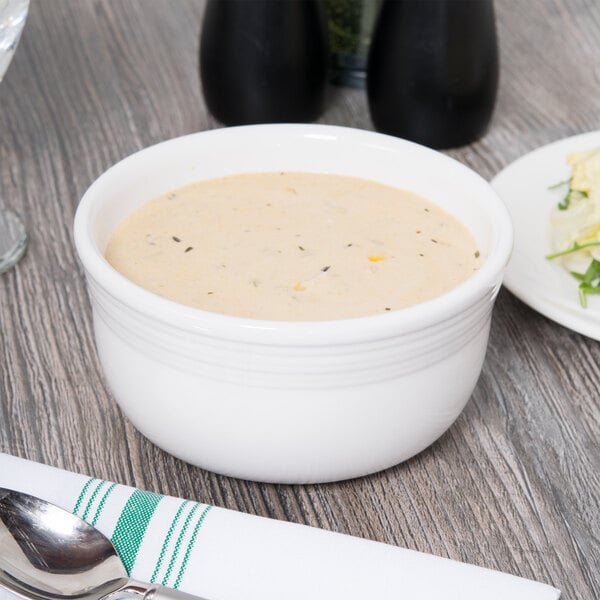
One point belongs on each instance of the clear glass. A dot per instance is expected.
(13, 237)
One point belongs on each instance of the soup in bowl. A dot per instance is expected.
(292, 303)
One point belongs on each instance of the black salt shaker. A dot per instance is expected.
(264, 61)
(433, 70)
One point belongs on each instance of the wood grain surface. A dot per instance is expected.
(514, 485)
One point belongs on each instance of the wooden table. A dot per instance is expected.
(514, 485)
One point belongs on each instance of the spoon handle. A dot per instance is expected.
(159, 592)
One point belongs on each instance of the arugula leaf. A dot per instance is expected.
(590, 282)
(560, 184)
(566, 201)
(571, 196)
(574, 248)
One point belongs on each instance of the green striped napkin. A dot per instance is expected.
(221, 554)
(137, 509)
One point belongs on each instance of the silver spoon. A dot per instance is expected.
(46, 553)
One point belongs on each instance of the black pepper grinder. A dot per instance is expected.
(433, 70)
(264, 61)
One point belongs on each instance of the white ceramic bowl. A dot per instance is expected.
(291, 402)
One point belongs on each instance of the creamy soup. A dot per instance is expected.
(293, 246)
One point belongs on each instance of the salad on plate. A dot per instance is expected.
(576, 222)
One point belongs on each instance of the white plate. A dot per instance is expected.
(542, 284)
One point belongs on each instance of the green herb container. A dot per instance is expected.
(350, 24)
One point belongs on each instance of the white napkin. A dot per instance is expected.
(220, 554)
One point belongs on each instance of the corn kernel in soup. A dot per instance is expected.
(293, 246)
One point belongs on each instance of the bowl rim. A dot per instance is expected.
(315, 333)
